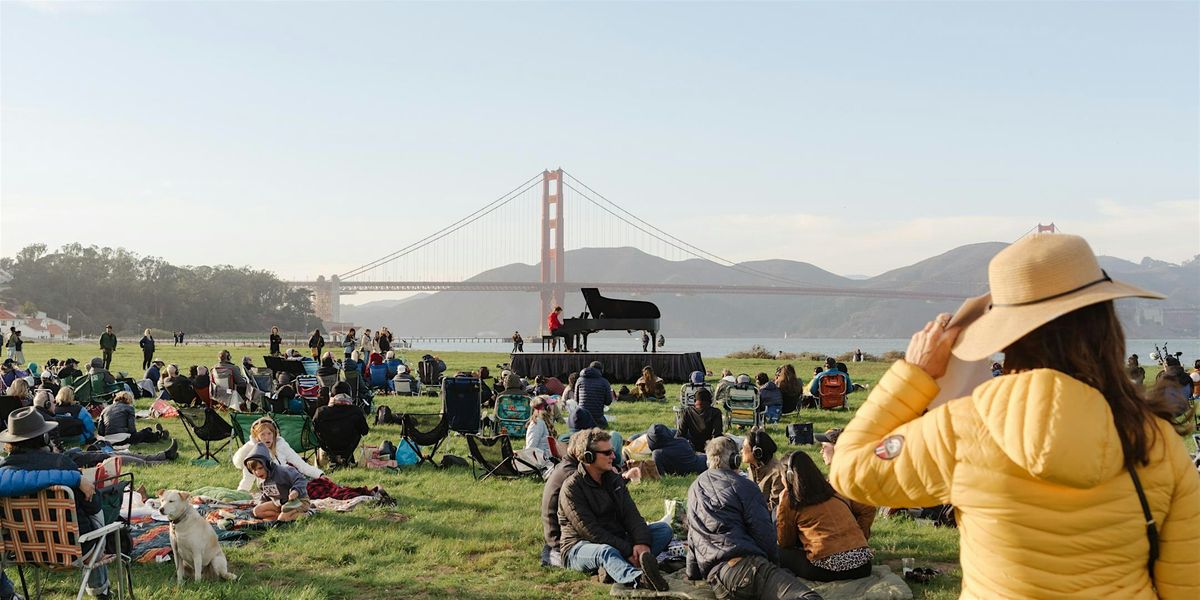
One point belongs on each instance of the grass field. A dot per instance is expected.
(448, 536)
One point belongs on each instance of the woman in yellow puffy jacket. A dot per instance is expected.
(1044, 462)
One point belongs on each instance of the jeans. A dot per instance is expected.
(107, 355)
(588, 557)
(7, 591)
(755, 578)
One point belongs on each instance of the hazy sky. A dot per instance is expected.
(308, 138)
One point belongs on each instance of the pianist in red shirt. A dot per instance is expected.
(554, 322)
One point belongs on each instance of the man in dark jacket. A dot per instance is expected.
(601, 528)
(551, 530)
(731, 538)
(700, 422)
(594, 393)
(340, 426)
(673, 455)
(108, 345)
(768, 393)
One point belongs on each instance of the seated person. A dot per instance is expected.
(700, 422)
(579, 419)
(167, 376)
(593, 392)
(279, 487)
(265, 432)
(96, 367)
(285, 396)
(624, 395)
(340, 425)
(225, 363)
(404, 383)
(758, 452)
(831, 369)
(673, 455)
(392, 363)
(731, 539)
(49, 382)
(768, 393)
(31, 466)
(153, 374)
(65, 407)
(119, 417)
(70, 368)
(328, 371)
(600, 526)
(539, 387)
(790, 387)
(551, 531)
(721, 392)
(819, 537)
(201, 383)
(540, 428)
(513, 384)
(649, 386)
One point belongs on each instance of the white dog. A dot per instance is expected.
(193, 540)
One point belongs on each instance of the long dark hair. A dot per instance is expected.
(804, 482)
(1088, 344)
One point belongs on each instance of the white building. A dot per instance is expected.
(39, 327)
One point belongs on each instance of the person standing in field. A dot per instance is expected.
(315, 344)
(147, 344)
(108, 345)
(275, 341)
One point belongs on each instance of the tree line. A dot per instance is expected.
(101, 286)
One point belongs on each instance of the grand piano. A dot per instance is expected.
(610, 314)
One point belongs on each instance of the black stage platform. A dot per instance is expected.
(619, 367)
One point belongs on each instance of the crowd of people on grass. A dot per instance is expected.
(1064, 443)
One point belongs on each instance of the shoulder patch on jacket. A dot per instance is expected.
(890, 448)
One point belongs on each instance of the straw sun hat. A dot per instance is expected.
(1034, 281)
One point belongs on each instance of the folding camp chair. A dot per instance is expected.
(308, 387)
(430, 378)
(461, 403)
(425, 431)
(494, 456)
(687, 397)
(225, 388)
(299, 433)
(832, 391)
(379, 377)
(512, 414)
(741, 407)
(214, 429)
(182, 392)
(310, 366)
(42, 530)
(102, 392)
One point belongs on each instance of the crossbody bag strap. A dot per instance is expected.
(1151, 528)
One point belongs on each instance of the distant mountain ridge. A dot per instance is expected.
(961, 270)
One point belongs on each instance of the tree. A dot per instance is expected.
(28, 309)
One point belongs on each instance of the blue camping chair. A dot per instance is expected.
(379, 377)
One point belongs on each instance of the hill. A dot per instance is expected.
(961, 270)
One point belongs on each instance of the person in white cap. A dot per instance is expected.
(1067, 482)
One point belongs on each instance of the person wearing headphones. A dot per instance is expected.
(600, 526)
(822, 536)
(758, 452)
(731, 539)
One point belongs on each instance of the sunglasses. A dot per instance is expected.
(609, 452)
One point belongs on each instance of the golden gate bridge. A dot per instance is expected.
(458, 256)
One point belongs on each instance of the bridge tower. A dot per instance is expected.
(553, 260)
(327, 299)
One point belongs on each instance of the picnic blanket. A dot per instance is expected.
(232, 522)
(881, 585)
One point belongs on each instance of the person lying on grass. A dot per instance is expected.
(284, 491)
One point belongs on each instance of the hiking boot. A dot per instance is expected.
(651, 577)
(172, 451)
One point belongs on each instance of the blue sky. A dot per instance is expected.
(856, 136)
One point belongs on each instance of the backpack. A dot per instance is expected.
(384, 415)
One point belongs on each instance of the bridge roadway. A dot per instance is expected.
(351, 286)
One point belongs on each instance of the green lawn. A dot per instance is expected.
(448, 536)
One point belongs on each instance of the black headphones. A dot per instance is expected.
(754, 448)
(588, 457)
(735, 460)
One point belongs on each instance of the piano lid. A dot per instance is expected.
(613, 308)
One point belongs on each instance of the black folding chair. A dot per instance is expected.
(494, 456)
(214, 429)
(425, 431)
